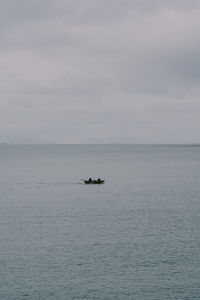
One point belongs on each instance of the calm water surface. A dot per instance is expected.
(135, 237)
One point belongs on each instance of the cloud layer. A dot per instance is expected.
(97, 71)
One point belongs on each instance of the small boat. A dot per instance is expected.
(94, 181)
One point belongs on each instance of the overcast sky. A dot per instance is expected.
(98, 71)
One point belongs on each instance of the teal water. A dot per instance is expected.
(135, 237)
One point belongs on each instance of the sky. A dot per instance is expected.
(100, 71)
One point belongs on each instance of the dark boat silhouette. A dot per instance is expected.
(94, 181)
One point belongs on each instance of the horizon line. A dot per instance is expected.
(104, 144)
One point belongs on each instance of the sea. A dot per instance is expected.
(137, 236)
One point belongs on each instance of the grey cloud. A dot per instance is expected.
(120, 70)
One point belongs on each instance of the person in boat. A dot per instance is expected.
(98, 180)
(90, 180)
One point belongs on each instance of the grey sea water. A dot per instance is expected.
(135, 237)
